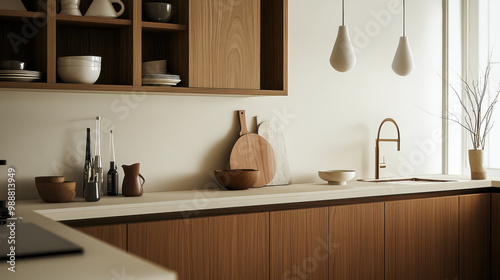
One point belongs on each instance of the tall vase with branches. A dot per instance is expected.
(477, 108)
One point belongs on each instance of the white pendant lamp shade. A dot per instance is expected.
(343, 58)
(403, 63)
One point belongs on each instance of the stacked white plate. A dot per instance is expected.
(160, 80)
(19, 75)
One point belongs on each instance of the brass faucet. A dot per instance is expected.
(378, 140)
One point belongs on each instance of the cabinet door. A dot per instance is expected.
(113, 234)
(421, 239)
(239, 247)
(299, 244)
(495, 236)
(357, 237)
(224, 44)
(475, 236)
(181, 245)
(224, 247)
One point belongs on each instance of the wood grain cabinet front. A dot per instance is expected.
(115, 235)
(224, 44)
(221, 247)
(357, 241)
(495, 236)
(421, 239)
(299, 244)
(475, 245)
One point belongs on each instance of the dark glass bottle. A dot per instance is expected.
(87, 168)
(112, 182)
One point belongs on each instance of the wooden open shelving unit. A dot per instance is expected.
(41, 35)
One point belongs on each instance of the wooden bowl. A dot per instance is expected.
(57, 192)
(336, 177)
(49, 179)
(237, 179)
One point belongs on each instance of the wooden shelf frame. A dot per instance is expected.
(134, 23)
(92, 21)
(7, 14)
(158, 26)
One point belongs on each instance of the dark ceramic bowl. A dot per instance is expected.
(158, 11)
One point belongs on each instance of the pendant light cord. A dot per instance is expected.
(404, 18)
(342, 12)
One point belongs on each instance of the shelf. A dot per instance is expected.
(126, 42)
(158, 26)
(146, 90)
(8, 14)
(92, 21)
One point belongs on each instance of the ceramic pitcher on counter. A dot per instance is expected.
(132, 185)
(104, 8)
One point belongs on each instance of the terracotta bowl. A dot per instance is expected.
(237, 179)
(57, 192)
(49, 179)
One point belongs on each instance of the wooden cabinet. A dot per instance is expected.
(224, 247)
(216, 46)
(299, 244)
(357, 241)
(421, 239)
(224, 47)
(181, 245)
(115, 235)
(450, 237)
(475, 236)
(239, 247)
(495, 236)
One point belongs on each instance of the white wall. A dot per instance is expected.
(179, 140)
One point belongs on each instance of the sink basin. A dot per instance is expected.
(406, 180)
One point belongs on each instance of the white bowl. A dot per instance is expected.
(90, 58)
(154, 67)
(68, 62)
(336, 177)
(79, 75)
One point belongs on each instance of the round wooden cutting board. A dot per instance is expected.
(251, 151)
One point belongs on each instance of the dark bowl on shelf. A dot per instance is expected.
(237, 179)
(158, 11)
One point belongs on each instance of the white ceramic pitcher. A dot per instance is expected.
(103, 8)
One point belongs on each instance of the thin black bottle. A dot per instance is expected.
(112, 182)
(87, 169)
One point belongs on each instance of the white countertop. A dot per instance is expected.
(98, 261)
(193, 200)
(102, 261)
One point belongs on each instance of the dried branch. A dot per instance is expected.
(477, 109)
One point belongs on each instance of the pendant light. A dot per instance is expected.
(403, 59)
(343, 58)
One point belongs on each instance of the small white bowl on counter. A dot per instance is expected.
(337, 177)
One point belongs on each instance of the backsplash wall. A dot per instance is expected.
(330, 119)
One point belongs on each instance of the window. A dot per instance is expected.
(474, 39)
